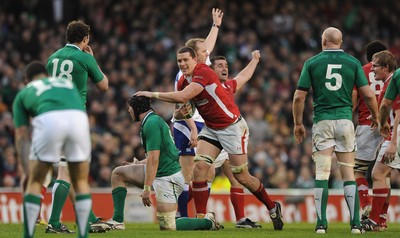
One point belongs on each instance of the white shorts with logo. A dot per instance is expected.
(234, 138)
(334, 133)
(168, 188)
(60, 131)
(395, 164)
(368, 142)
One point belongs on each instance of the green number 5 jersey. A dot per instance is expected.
(332, 75)
(72, 63)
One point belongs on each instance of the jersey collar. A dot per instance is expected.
(146, 116)
(72, 45)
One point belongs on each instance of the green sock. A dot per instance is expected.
(83, 205)
(321, 200)
(189, 224)
(119, 195)
(60, 194)
(353, 202)
(92, 217)
(31, 212)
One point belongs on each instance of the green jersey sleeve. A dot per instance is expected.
(152, 133)
(394, 85)
(94, 71)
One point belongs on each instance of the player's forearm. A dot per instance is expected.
(151, 170)
(22, 146)
(173, 97)
(372, 106)
(191, 124)
(383, 113)
(298, 109)
(246, 73)
(395, 127)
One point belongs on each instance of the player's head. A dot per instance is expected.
(199, 46)
(331, 38)
(34, 70)
(383, 64)
(137, 106)
(77, 32)
(220, 67)
(186, 59)
(374, 47)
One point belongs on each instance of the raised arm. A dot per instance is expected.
(189, 92)
(248, 71)
(211, 39)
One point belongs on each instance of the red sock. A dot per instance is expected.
(43, 192)
(385, 208)
(362, 185)
(262, 195)
(200, 196)
(237, 200)
(378, 202)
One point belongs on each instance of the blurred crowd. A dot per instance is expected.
(135, 42)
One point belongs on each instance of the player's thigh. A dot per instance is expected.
(345, 140)
(395, 164)
(368, 142)
(77, 147)
(48, 137)
(132, 173)
(168, 188)
(323, 135)
(234, 139)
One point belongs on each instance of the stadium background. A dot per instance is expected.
(135, 44)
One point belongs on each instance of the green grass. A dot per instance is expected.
(150, 230)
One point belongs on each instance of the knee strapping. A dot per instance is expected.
(239, 169)
(166, 220)
(346, 164)
(322, 166)
(206, 158)
(361, 166)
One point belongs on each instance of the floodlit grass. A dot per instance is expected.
(150, 230)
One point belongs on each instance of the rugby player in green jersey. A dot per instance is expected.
(59, 126)
(160, 170)
(332, 75)
(75, 61)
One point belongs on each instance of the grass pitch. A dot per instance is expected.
(150, 230)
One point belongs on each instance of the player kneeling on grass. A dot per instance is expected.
(160, 169)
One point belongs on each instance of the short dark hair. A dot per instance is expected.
(374, 47)
(76, 31)
(214, 58)
(34, 68)
(187, 49)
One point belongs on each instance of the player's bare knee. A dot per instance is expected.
(322, 166)
(166, 220)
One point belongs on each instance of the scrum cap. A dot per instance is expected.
(139, 105)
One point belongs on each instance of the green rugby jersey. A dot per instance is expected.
(44, 95)
(394, 86)
(332, 75)
(72, 63)
(156, 135)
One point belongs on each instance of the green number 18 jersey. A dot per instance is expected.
(72, 63)
(332, 75)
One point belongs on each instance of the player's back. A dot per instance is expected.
(72, 63)
(44, 95)
(332, 74)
